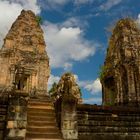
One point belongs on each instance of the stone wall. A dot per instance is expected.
(103, 123)
(17, 117)
(66, 116)
(3, 117)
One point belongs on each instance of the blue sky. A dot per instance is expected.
(76, 34)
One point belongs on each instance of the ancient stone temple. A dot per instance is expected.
(29, 112)
(121, 71)
(24, 73)
(23, 59)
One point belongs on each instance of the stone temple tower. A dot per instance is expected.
(121, 71)
(23, 59)
(24, 73)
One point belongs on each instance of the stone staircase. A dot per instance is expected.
(41, 121)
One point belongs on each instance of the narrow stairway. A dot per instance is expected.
(41, 121)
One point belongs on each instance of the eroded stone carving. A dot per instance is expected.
(68, 85)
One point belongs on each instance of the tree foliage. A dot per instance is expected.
(39, 20)
(102, 72)
(53, 89)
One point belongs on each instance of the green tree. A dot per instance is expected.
(39, 20)
(102, 72)
(53, 89)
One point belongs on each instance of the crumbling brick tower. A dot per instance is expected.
(23, 59)
(24, 73)
(121, 71)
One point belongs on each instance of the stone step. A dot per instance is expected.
(40, 103)
(108, 123)
(41, 118)
(99, 129)
(43, 139)
(14, 138)
(43, 135)
(42, 99)
(39, 110)
(39, 114)
(41, 123)
(41, 107)
(47, 100)
(44, 129)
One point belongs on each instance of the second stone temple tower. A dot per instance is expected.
(23, 58)
(121, 71)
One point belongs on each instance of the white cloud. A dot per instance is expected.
(139, 16)
(66, 45)
(52, 79)
(9, 10)
(94, 100)
(8, 14)
(68, 66)
(27, 5)
(109, 4)
(137, 21)
(71, 22)
(75, 22)
(94, 87)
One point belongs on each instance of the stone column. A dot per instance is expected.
(12, 76)
(30, 82)
(27, 84)
(131, 86)
(69, 117)
(120, 89)
(33, 80)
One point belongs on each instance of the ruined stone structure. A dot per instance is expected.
(67, 95)
(103, 123)
(67, 85)
(121, 71)
(24, 73)
(24, 62)
(28, 112)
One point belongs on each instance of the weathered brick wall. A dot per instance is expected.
(3, 114)
(104, 123)
(17, 117)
